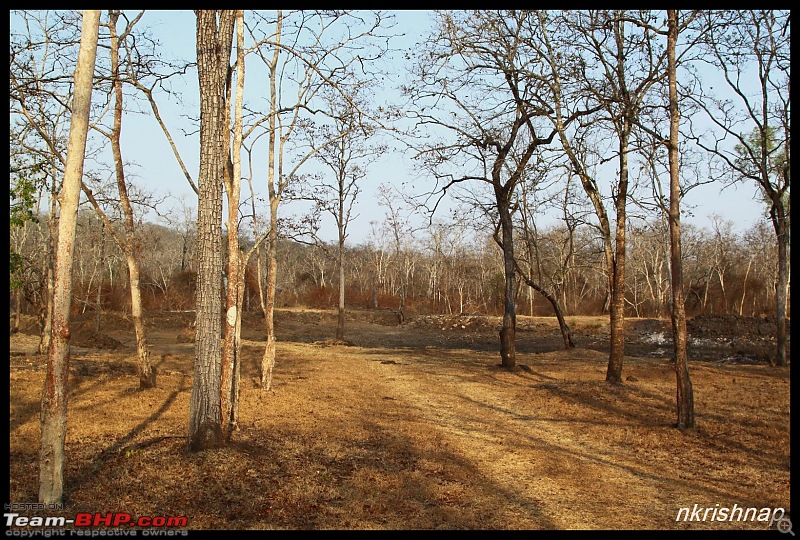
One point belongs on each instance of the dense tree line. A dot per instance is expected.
(441, 270)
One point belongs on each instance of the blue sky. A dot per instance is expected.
(144, 143)
(157, 170)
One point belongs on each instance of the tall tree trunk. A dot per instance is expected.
(685, 394)
(268, 360)
(235, 293)
(145, 370)
(213, 56)
(616, 355)
(54, 394)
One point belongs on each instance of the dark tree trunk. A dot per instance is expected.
(779, 221)
(616, 355)
(685, 394)
(508, 331)
(566, 334)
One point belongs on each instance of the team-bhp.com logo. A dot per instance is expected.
(87, 520)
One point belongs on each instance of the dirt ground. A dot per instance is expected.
(415, 426)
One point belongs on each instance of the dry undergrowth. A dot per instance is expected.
(421, 436)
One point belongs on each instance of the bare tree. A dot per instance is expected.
(398, 229)
(130, 243)
(751, 50)
(214, 39)
(54, 393)
(473, 83)
(685, 394)
(347, 156)
(685, 399)
(304, 54)
(611, 63)
(525, 270)
(34, 110)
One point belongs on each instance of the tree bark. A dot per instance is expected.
(780, 223)
(685, 394)
(341, 318)
(235, 293)
(213, 56)
(508, 331)
(624, 126)
(144, 368)
(566, 333)
(54, 394)
(268, 359)
(130, 246)
(616, 355)
(46, 318)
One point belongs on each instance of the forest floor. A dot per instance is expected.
(415, 426)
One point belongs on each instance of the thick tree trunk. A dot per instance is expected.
(54, 394)
(617, 322)
(213, 55)
(685, 394)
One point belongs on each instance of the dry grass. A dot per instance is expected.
(421, 436)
